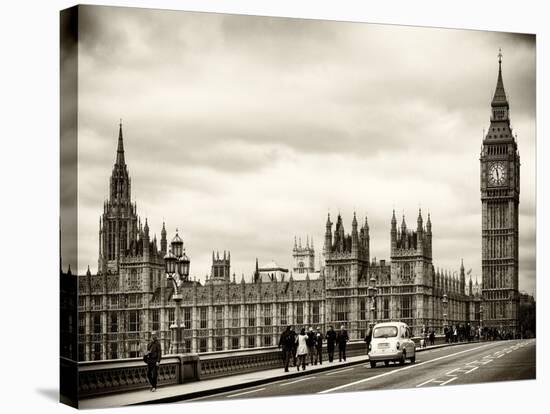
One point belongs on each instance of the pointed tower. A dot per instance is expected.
(420, 233)
(393, 233)
(119, 220)
(354, 236)
(500, 188)
(327, 247)
(462, 281)
(163, 241)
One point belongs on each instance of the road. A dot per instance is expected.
(460, 364)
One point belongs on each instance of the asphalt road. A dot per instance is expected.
(460, 364)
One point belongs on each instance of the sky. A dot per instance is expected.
(244, 132)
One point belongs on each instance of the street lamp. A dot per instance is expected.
(445, 301)
(480, 320)
(177, 271)
(371, 293)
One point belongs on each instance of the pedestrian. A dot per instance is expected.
(301, 349)
(319, 346)
(342, 340)
(292, 340)
(424, 336)
(331, 340)
(152, 358)
(286, 344)
(432, 337)
(310, 342)
(368, 337)
(455, 334)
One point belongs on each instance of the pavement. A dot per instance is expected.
(273, 382)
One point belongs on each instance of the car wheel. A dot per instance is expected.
(387, 363)
(373, 364)
(402, 360)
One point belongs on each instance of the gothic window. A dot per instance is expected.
(235, 343)
(171, 318)
(113, 322)
(219, 317)
(342, 309)
(81, 323)
(386, 308)
(133, 280)
(187, 319)
(203, 317)
(283, 313)
(266, 310)
(251, 315)
(235, 316)
(133, 321)
(203, 345)
(155, 320)
(113, 350)
(406, 307)
(300, 313)
(315, 312)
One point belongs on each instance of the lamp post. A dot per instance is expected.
(371, 293)
(480, 320)
(445, 301)
(177, 271)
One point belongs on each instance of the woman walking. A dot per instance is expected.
(302, 349)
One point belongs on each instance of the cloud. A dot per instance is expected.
(245, 131)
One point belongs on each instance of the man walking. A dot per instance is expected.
(310, 342)
(286, 342)
(319, 346)
(152, 357)
(368, 337)
(294, 345)
(331, 340)
(342, 340)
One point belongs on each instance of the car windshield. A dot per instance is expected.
(385, 332)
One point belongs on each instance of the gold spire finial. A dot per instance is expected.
(499, 56)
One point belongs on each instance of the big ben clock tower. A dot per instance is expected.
(499, 176)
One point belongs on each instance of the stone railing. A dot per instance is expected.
(118, 375)
(222, 363)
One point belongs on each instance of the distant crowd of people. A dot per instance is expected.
(299, 348)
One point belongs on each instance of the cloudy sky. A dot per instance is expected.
(245, 131)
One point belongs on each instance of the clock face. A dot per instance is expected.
(497, 173)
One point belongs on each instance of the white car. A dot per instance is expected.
(391, 341)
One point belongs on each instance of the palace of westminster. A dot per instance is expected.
(130, 296)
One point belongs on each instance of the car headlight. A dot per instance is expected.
(397, 346)
(370, 347)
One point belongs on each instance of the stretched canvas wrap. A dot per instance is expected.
(262, 206)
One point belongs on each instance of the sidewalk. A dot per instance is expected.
(206, 387)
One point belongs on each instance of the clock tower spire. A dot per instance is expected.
(499, 185)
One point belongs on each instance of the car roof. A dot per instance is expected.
(382, 324)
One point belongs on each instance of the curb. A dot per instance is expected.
(233, 387)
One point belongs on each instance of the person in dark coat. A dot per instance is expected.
(153, 356)
(331, 340)
(286, 342)
(432, 337)
(310, 342)
(293, 347)
(319, 346)
(342, 340)
(368, 337)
